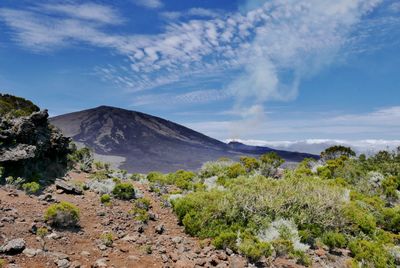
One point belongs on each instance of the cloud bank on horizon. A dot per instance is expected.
(241, 58)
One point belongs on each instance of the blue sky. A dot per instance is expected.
(260, 70)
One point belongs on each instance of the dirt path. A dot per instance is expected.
(135, 244)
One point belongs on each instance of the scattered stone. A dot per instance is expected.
(67, 187)
(14, 246)
(85, 253)
(100, 263)
(63, 263)
(130, 238)
(75, 264)
(102, 247)
(177, 240)
(229, 251)
(54, 236)
(31, 252)
(160, 229)
(200, 262)
(133, 258)
(184, 264)
(164, 258)
(320, 252)
(174, 257)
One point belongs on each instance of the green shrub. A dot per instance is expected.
(236, 170)
(63, 214)
(83, 157)
(31, 187)
(334, 240)
(249, 163)
(254, 250)
(100, 175)
(391, 219)
(371, 254)
(143, 203)
(124, 191)
(390, 186)
(140, 214)
(107, 239)
(359, 219)
(2, 263)
(282, 247)
(155, 177)
(105, 199)
(12, 106)
(225, 240)
(302, 258)
(137, 177)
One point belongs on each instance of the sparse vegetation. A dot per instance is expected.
(124, 191)
(31, 187)
(63, 214)
(341, 201)
(105, 199)
(107, 239)
(12, 106)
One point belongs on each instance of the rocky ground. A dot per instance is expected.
(159, 243)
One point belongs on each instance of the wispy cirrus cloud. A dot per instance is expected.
(153, 4)
(192, 12)
(192, 97)
(87, 11)
(369, 125)
(271, 47)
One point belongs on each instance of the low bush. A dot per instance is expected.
(124, 191)
(282, 247)
(334, 240)
(105, 199)
(371, 254)
(31, 187)
(107, 239)
(254, 250)
(360, 220)
(236, 170)
(63, 214)
(142, 203)
(226, 240)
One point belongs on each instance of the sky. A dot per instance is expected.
(255, 70)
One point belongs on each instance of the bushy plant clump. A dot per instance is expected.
(11, 106)
(140, 209)
(341, 201)
(105, 199)
(124, 191)
(31, 187)
(63, 214)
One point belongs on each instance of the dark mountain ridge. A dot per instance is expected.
(144, 143)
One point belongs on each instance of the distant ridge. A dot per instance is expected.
(139, 142)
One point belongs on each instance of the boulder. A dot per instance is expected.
(67, 187)
(14, 246)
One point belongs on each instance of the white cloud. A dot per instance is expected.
(192, 97)
(153, 4)
(271, 47)
(395, 7)
(193, 12)
(88, 11)
(316, 146)
(380, 124)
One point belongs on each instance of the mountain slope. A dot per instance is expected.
(140, 142)
(145, 142)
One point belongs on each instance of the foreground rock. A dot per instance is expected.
(67, 187)
(29, 145)
(14, 246)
